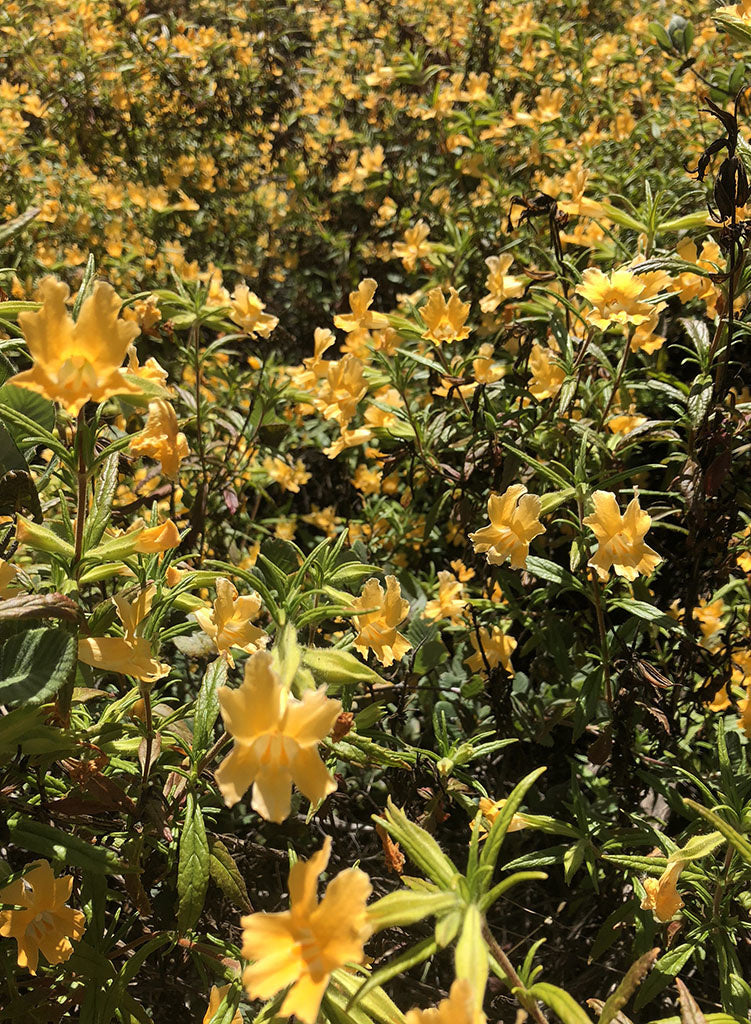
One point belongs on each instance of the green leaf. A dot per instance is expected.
(35, 664)
(471, 954)
(193, 867)
(700, 399)
(500, 826)
(552, 572)
(36, 415)
(104, 492)
(738, 841)
(560, 1002)
(420, 846)
(631, 981)
(409, 958)
(224, 872)
(12, 227)
(645, 611)
(54, 844)
(207, 706)
(405, 907)
(664, 970)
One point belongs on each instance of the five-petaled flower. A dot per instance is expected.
(76, 361)
(494, 649)
(248, 313)
(379, 616)
(230, 622)
(616, 299)
(514, 522)
(276, 740)
(303, 945)
(459, 1008)
(621, 538)
(362, 317)
(41, 922)
(130, 655)
(160, 438)
(445, 321)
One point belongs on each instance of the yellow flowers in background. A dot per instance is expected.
(514, 522)
(378, 615)
(41, 922)
(300, 947)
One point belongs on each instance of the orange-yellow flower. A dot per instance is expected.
(490, 811)
(415, 245)
(129, 655)
(514, 522)
(247, 312)
(362, 317)
(303, 945)
(8, 575)
(547, 376)
(617, 298)
(276, 740)
(445, 321)
(75, 362)
(217, 994)
(621, 538)
(497, 647)
(450, 600)
(42, 923)
(376, 624)
(662, 896)
(154, 539)
(459, 1008)
(160, 439)
(500, 284)
(230, 622)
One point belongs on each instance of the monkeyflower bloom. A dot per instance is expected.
(8, 575)
(616, 299)
(450, 600)
(230, 622)
(379, 616)
(497, 647)
(248, 313)
(160, 439)
(662, 895)
(217, 994)
(362, 317)
(514, 522)
(621, 538)
(42, 923)
(276, 739)
(303, 945)
(445, 321)
(547, 376)
(459, 1008)
(500, 284)
(75, 362)
(288, 476)
(150, 540)
(339, 394)
(130, 655)
(415, 245)
(490, 811)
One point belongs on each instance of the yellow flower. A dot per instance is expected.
(230, 624)
(340, 393)
(303, 945)
(547, 376)
(362, 318)
(153, 539)
(709, 617)
(8, 575)
(459, 1008)
(450, 601)
(289, 477)
(151, 371)
(500, 285)
(744, 706)
(160, 439)
(215, 1001)
(514, 522)
(661, 893)
(129, 655)
(379, 616)
(247, 313)
(276, 739)
(621, 538)
(498, 648)
(445, 321)
(617, 298)
(624, 422)
(490, 811)
(415, 245)
(81, 361)
(43, 923)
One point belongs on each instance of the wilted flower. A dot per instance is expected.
(621, 538)
(445, 321)
(514, 522)
(459, 1008)
(75, 362)
(160, 439)
(303, 945)
(497, 647)
(230, 622)
(376, 624)
(8, 575)
(154, 539)
(42, 923)
(276, 740)
(661, 893)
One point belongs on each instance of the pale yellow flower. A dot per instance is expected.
(445, 321)
(247, 312)
(514, 522)
(377, 623)
(362, 317)
(300, 947)
(230, 622)
(450, 600)
(76, 362)
(160, 438)
(616, 299)
(497, 647)
(129, 655)
(459, 1008)
(415, 245)
(621, 538)
(500, 284)
(276, 741)
(490, 811)
(547, 376)
(43, 923)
